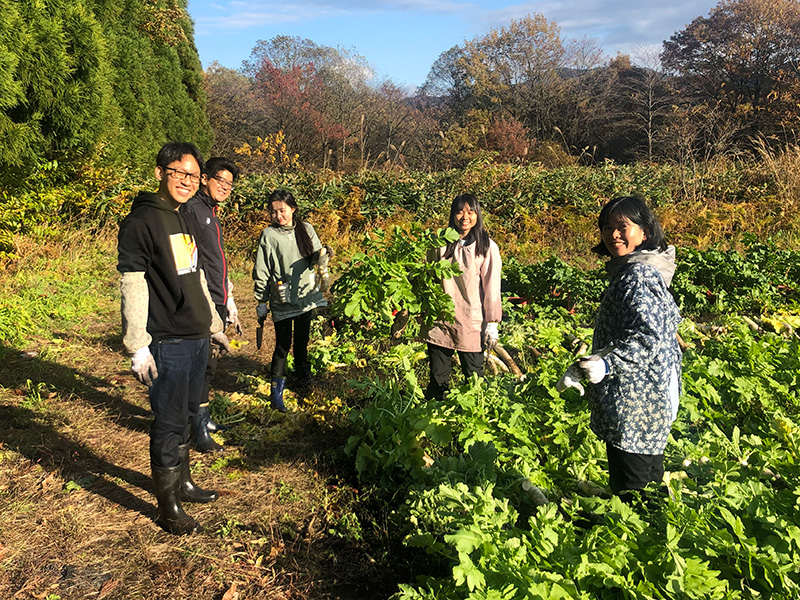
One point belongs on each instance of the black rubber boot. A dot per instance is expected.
(276, 395)
(214, 427)
(201, 438)
(190, 492)
(171, 516)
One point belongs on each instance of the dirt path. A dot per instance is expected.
(76, 507)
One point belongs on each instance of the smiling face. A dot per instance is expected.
(180, 180)
(466, 218)
(281, 213)
(622, 236)
(219, 185)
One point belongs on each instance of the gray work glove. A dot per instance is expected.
(593, 368)
(262, 310)
(143, 366)
(571, 379)
(220, 341)
(490, 336)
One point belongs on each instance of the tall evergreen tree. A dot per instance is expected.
(96, 80)
(56, 93)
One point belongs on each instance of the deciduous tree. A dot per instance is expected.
(743, 58)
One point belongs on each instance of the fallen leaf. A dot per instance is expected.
(49, 483)
(231, 594)
(109, 586)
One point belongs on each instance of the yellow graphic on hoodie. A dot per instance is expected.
(184, 250)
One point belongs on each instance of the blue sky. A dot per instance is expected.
(401, 39)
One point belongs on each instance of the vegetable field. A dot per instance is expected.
(503, 485)
(364, 489)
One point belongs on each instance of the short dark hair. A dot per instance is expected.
(215, 164)
(174, 151)
(634, 209)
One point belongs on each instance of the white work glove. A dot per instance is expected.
(325, 254)
(143, 366)
(593, 368)
(571, 379)
(262, 310)
(233, 315)
(490, 336)
(220, 340)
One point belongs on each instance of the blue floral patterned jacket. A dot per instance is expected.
(632, 407)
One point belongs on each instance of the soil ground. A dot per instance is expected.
(76, 504)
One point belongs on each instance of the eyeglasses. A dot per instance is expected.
(223, 183)
(182, 175)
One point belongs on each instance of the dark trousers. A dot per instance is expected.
(213, 359)
(175, 395)
(283, 342)
(628, 471)
(441, 364)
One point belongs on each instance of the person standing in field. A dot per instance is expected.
(635, 368)
(216, 185)
(476, 296)
(285, 282)
(167, 316)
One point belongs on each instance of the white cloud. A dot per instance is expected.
(617, 25)
(240, 14)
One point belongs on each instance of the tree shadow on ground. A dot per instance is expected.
(33, 434)
(100, 392)
(32, 430)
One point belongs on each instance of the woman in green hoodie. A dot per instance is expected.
(285, 282)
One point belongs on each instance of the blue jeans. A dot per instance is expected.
(175, 395)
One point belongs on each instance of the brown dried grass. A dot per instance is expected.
(76, 505)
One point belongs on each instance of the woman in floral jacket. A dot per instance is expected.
(635, 368)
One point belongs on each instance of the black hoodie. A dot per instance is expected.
(158, 241)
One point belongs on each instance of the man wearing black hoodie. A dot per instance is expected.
(167, 316)
(216, 185)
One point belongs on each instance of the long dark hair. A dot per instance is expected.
(304, 244)
(477, 234)
(634, 209)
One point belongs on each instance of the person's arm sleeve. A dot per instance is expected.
(135, 247)
(315, 243)
(490, 285)
(135, 305)
(642, 304)
(261, 271)
(216, 322)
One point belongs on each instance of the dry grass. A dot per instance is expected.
(76, 504)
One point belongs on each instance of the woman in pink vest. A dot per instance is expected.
(475, 293)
